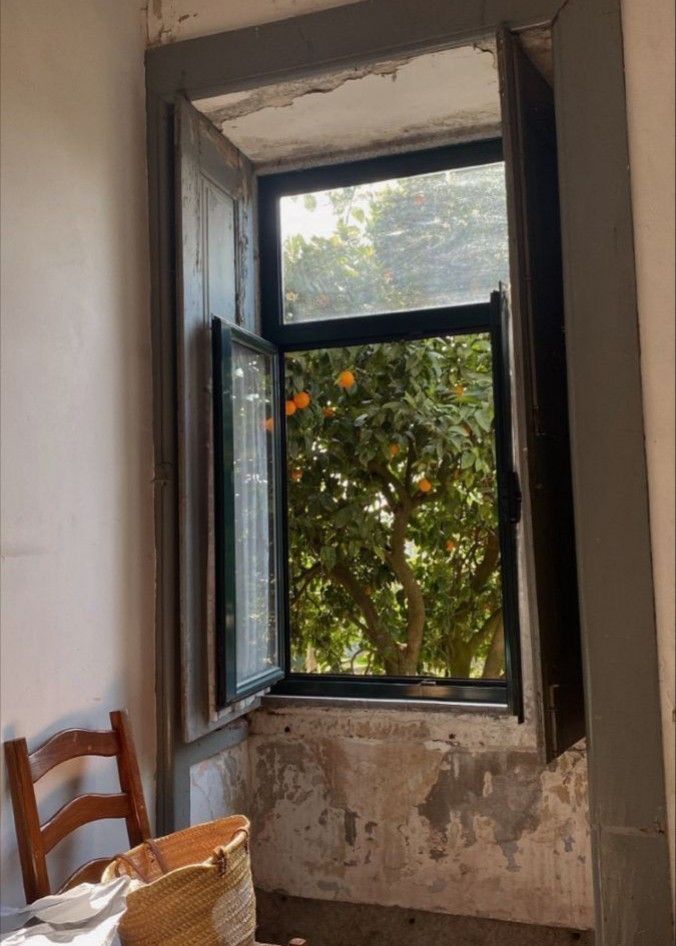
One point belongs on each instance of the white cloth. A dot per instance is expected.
(87, 915)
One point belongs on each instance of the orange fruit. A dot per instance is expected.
(268, 424)
(450, 545)
(296, 475)
(424, 485)
(329, 411)
(346, 379)
(459, 390)
(394, 449)
(302, 399)
(290, 408)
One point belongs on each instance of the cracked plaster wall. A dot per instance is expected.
(436, 811)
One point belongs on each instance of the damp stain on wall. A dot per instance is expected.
(400, 809)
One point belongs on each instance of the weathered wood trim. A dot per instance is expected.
(626, 779)
(343, 36)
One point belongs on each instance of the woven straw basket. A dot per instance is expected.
(197, 891)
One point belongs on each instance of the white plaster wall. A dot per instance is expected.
(77, 517)
(649, 55)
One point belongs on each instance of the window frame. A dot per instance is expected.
(343, 331)
(291, 183)
(228, 690)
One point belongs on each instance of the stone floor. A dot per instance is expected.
(329, 923)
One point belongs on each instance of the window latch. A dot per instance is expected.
(428, 682)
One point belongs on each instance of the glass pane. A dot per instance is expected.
(392, 500)
(419, 242)
(254, 482)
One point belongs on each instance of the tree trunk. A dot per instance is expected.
(378, 637)
(415, 600)
(494, 668)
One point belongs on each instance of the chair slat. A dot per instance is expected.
(89, 873)
(71, 744)
(138, 824)
(81, 810)
(26, 821)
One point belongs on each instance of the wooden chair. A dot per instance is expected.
(34, 840)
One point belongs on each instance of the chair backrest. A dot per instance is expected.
(34, 840)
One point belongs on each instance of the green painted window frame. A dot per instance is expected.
(228, 690)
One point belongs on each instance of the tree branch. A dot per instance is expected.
(494, 668)
(375, 632)
(390, 480)
(415, 600)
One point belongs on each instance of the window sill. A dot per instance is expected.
(278, 701)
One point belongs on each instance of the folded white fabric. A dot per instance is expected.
(87, 915)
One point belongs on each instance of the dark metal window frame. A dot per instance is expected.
(344, 331)
(223, 336)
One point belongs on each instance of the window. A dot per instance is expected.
(364, 446)
(247, 492)
(206, 650)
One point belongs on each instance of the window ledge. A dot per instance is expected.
(278, 701)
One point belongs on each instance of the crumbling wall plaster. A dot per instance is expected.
(219, 786)
(421, 810)
(363, 110)
(431, 810)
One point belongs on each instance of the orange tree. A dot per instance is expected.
(394, 559)
(392, 517)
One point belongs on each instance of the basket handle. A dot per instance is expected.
(155, 851)
(221, 853)
(128, 861)
(159, 856)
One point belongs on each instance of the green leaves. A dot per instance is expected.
(342, 509)
(404, 244)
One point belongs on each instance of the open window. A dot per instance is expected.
(356, 467)
(247, 510)
(401, 495)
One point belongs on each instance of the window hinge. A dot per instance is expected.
(514, 497)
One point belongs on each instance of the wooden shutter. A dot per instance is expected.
(215, 277)
(529, 133)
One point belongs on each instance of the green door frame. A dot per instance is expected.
(626, 778)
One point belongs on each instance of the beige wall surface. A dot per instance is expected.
(649, 55)
(77, 519)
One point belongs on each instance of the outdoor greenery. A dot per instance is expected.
(418, 242)
(394, 558)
